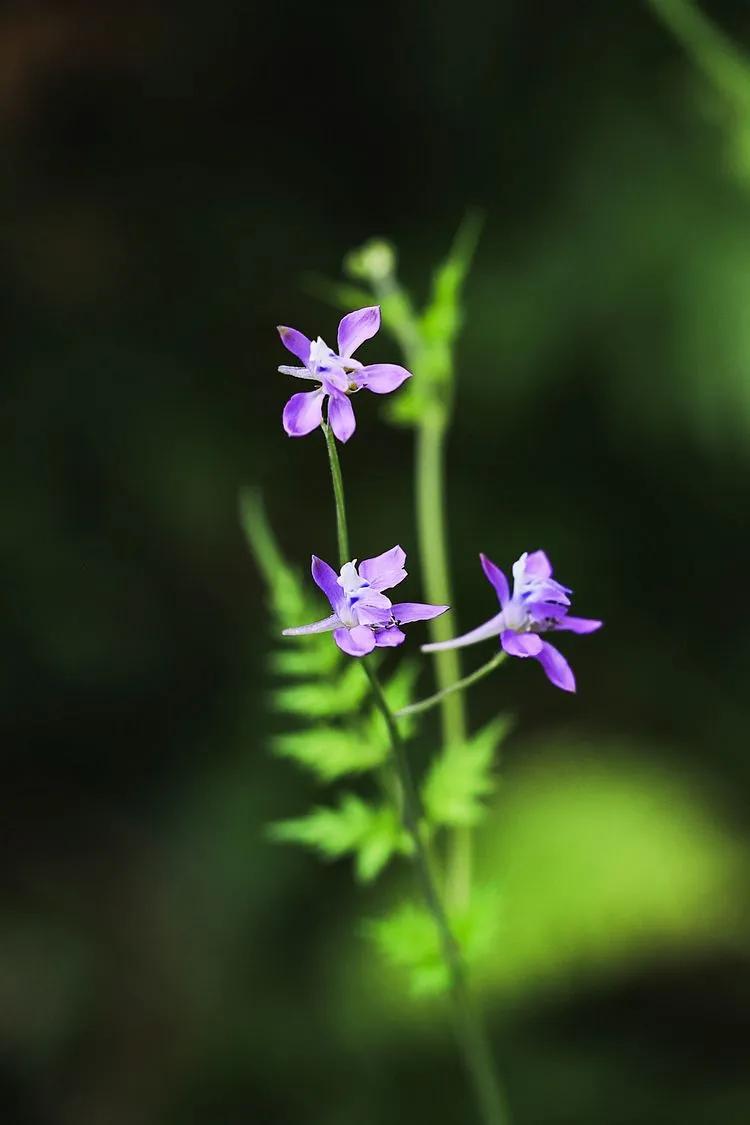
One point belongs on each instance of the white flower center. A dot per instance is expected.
(350, 581)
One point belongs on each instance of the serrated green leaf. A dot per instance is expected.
(331, 752)
(461, 777)
(324, 698)
(317, 657)
(408, 939)
(371, 833)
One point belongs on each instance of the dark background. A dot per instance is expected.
(175, 178)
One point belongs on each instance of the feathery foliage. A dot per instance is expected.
(407, 938)
(458, 781)
(371, 833)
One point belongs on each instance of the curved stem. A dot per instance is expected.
(342, 530)
(470, 1032)
(460, 685)
(433, 547)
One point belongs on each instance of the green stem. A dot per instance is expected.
(460, 685)
(338, 493)
(433, 547)
(470, 1032)
(713, 52)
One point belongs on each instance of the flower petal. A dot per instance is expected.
(341, 417)
(356, 327)
(404, 612)
(324, 626)
(303, 413)
(368, 614)
(556, 667)
(492, 628)
(381, 378)
(295, 342)
(326, 579)
(355, 642)
(389, 638)
(521, 644)
(545, 613)
(384, 570)
(538, 565)
(579, 624)
(497, 579)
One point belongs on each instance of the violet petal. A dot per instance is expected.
(303, 413)
(538, 565)
(386, 570)
(404, 612)
(326, 579)
(369, 614)
(389, 638)
(341, 417)
(579, 624)
(356, 327)
(355, 642)
(381, 378)
(521, 644)
(556, 667)
(295, 342)
(497, 579)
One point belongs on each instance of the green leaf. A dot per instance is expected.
(289, 599)
(297, 659)
(324, 698)
(372, 834)
(408, 939)
(458, 781)
(331, 752)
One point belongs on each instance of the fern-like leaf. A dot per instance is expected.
(460, 779)
(372, 834)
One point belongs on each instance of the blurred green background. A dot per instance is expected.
(176, 179)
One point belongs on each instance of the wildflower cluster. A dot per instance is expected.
(363, 618)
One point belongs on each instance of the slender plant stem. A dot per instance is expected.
(470, 1032)
(433, 546)
(460, 685)
(342, 530)
(721, 60)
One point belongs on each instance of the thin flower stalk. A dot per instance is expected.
(470, 1032)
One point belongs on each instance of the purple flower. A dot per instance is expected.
(338, 374)
(539, 604)
(363, 617)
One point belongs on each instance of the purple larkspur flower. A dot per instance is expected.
(538, 605)
(338, 374)
(363, 617)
